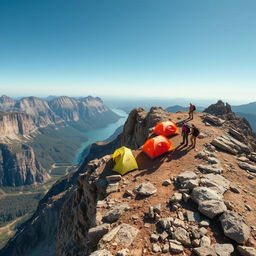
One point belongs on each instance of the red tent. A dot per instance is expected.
(166, 128)
(157, 146)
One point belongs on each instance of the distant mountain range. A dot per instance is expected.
(247, 111)
(177, 108)
(246, 108)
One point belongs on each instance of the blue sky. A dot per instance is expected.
(164, 48)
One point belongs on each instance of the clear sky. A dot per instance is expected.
(163, 48)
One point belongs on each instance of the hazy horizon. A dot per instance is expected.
(116, 101)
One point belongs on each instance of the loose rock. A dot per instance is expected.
(145, 189)
(234, 227)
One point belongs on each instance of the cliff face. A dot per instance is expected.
(13, 124)
(19, 166)
(89, 109)
(140, 123)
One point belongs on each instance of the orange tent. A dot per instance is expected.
(166, 128)
(157, 146)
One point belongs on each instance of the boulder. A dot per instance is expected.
(177, 197)
(216, 169)
(242, 147)
(113, 178)
(213, 120)
(156, 248)
(166, 248)
(145, 189)
(223, 249)
(182, 236)
(188, 175)
(237, 135)
(116, 212)
(123, 234)
(224, 145)
(193, 216)
(247, 167)
(201, 194)
(246, 251)
(175, 247)
(205, 241)
(234, 227)
(243, 159)
(216, 182)
(212, 208)
(154, 238)
(215, 250)
(205, 251)
(213, 160)
(96, 233)
(112, 187)
(166, 223)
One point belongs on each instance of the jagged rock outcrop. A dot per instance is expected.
(219, 109)
(237, 127)
(140, 123)
(19, 166)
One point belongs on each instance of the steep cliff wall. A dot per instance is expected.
(14, 124)
(19, 166)
(89, 109)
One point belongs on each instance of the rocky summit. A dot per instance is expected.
(191, 201)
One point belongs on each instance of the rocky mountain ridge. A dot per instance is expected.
(20, 167)
(32, 113)
(145, 213)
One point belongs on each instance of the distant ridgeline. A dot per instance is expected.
(35, 133)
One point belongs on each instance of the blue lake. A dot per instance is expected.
(101, 134)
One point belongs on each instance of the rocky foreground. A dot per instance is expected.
(190, 202)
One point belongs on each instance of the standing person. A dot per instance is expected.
(185, 130)
(192, 108)
(194, 133)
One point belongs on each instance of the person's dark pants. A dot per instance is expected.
(185, 139)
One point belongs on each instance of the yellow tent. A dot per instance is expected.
(124, 160)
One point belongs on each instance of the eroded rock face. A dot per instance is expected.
(13, 125)
(138, 125)
(19, 166)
